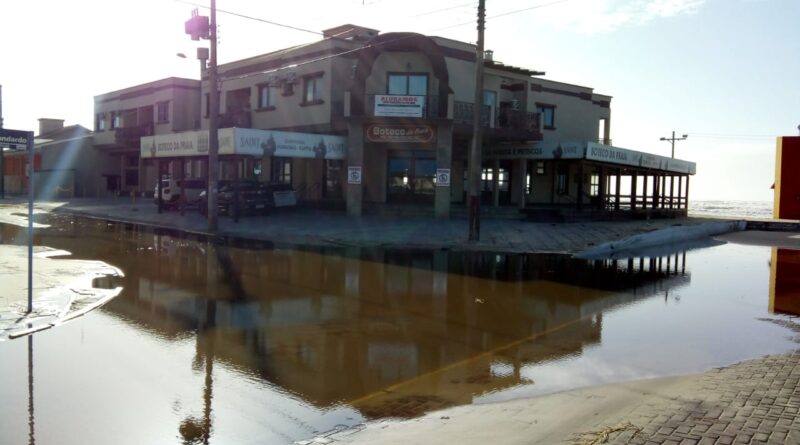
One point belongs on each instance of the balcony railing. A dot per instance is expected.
(504, 118)
(424, 107)
(131, 135)
(241, 119)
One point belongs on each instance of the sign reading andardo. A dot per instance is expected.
(400, 133)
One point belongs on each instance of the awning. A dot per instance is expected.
(245, 141)
(590, 151)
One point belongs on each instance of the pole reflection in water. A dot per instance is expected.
(31, 418)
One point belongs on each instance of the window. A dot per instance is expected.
(312, 90)
(548, 113)
(562, 181)
(282, 170)
(594, 185)
(334, 169)
(539, 167)
(115, 119)
(265, 100)
(100, 122)
(408, 84)
(162, 112)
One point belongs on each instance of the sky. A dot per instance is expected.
(725, 72)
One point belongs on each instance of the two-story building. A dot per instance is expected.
(124, 116)
(375, 122)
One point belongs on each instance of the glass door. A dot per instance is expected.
(411, 177)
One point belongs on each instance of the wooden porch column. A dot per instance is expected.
(160, 196)
(580, 185)
(634, 179)
(656, 178)
(523, 172)
(619, 184)
(687, 192)
(496, 183)
(680, 191)
(644, 191)
(672, 191)
(603, 188)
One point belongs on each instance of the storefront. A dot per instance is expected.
(313, 164)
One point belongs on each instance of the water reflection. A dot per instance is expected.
(383, 332)
(392, 333)
(784, 283)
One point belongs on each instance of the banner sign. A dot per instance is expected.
(400, 133)
(245, 141)
(399, 106)
(591, 151)
(536, 150)
(264, 143)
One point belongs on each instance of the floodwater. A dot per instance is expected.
(224, 344)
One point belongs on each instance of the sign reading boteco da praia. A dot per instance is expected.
(419, 134)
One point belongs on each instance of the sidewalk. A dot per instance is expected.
(329, 228)
(752, 402)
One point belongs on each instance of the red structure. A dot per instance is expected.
(787, 179)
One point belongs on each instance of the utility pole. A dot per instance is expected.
(475, 150)
(199, 28)
(2, 153)
(673, 139)
(213, 123)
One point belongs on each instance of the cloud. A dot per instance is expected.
(595, 16)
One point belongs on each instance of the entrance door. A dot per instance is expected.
(411, 177)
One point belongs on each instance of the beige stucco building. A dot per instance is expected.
(403, 103)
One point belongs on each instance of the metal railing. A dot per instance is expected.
(505, 118)
(131, 135)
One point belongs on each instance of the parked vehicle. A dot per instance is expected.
(170, 190)
(254, 197)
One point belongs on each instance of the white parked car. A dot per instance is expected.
(170, 190)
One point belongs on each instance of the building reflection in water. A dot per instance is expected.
(391, 333)
(784, 282)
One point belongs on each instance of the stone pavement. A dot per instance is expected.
(752, 402)
(316, 227)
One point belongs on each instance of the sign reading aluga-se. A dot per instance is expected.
(399, 106)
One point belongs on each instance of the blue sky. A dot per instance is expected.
(727, 72)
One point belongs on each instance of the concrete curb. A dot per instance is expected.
(669, 235)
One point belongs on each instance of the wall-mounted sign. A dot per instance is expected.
(443, 177)
(399, 106)
(400, 133)
(245, 141)
(354, 175)
(536, 150)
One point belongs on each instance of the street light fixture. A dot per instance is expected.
(673, 139)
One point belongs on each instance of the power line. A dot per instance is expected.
(436, 11)
(244, 16)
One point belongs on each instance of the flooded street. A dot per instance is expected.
(209, 343)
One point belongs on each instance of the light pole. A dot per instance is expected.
(673, 139)
(474, 165)
(199, 27)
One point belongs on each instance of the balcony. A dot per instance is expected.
(426, 107)
(503, 122)
(240, 119)
(132, 135)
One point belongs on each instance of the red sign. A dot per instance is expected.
(405, 134)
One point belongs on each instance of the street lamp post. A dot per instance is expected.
(199, 27)
(673, 139)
